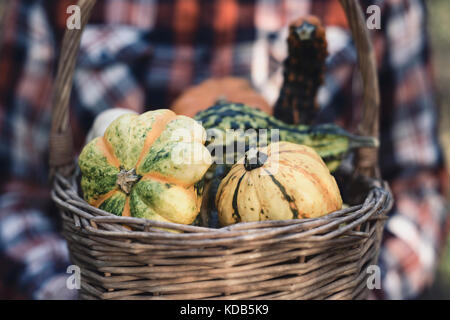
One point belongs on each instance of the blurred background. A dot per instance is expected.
(439, 28)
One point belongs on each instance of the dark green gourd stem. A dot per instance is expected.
(304, 71)
(254, 159)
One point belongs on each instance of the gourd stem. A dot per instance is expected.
(254, 160)
(127, 179)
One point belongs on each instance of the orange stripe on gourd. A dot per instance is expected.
(326, 196)
(98, 201)
(159, 177)
(158, 127)
(107, 151)
(126, 210)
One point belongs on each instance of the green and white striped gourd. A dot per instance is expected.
(330, 141)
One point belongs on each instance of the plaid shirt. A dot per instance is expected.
(144, 53)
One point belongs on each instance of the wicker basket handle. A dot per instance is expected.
(61, 143)
(366, 162)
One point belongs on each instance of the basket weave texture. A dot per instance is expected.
(132, 258)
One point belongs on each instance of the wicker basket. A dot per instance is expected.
(322, 258)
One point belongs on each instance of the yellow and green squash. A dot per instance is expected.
(147, 166)
(278, 182)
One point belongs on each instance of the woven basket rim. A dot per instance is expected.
(377, 203)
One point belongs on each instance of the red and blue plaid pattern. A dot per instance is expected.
(145, 53)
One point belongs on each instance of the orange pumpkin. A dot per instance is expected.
(206, 94)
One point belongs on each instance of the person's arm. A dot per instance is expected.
(411, 158)
(33, 255)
